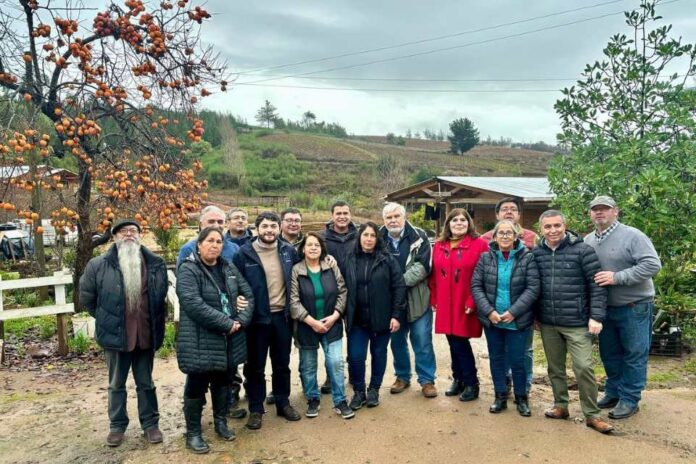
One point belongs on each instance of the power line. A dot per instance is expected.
(437, 50)
(399, 79)
(430, 39)
(350, 89)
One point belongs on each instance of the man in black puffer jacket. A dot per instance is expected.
(124, 290)
(571, 309)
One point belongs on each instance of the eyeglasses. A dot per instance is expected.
(509, 210)
(293, 221)
(238, 218)
(128, 231)
(215, 221)
(507, 233)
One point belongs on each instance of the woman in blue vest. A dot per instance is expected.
(505, 286)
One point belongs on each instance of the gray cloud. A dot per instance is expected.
(254, 35)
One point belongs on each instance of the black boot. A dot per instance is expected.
(523, 405)
(499, 404)
(469, 393)
(192, 413)
(455, 389)
(219, 397)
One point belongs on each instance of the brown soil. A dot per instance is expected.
(59, 416)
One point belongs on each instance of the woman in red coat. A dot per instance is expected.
(455, 255)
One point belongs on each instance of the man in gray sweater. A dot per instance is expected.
(629, 262)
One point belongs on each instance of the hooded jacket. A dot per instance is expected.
(204, 343)
(417, 268)
(339, 245)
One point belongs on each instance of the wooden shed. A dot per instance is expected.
(478, 195)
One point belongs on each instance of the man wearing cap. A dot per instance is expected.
(124, 290)
(629, 262)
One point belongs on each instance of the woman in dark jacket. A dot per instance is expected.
(505, 286)
(211, 337)
(317, 304)
(376, 305)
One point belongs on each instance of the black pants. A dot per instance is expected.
(463, 361)
(275, 338)
(119, 363)
(197, 383)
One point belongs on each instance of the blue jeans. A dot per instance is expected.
(421, 334)
(624, 344)
(333, 360)
(528, 361)
(358, 341)
(508, 346)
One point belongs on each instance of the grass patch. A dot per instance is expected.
(169, 343)
(664, 377)
(45, 326)
(690, 366)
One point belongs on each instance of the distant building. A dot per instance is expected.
(478, 195)
(22, 172)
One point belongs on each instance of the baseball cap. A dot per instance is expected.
(603, 200)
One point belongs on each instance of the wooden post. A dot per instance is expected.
(61, 319)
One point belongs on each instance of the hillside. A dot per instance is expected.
(362, 169)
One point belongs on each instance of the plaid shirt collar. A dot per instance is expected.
(600, 236)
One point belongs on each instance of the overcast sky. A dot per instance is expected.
(257, 35)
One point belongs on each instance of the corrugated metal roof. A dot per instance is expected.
(527, 188)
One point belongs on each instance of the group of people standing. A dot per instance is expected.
(245, 297)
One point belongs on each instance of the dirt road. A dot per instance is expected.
(48, 417)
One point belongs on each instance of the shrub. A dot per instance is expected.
(169, 343)
(79, 344)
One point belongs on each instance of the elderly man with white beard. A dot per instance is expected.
(124, 290)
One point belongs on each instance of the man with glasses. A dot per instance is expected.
(291, 226)
(510, 209)
(238, 230)
(124, 290)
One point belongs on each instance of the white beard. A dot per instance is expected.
(130, 260)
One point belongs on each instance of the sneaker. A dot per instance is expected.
(372, 397)
(344, 410)
(312, 408)
(358, 401)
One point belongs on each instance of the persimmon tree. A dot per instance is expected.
(108, 82)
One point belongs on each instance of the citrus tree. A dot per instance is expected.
(118, 88)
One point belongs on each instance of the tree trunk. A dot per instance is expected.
(85, 245)
(39, 254)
